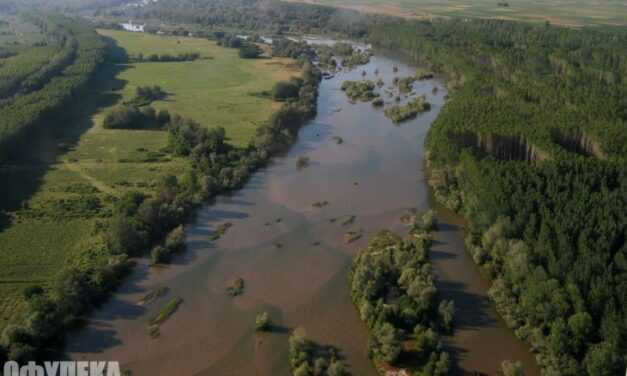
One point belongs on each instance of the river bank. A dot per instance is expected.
(293, 256)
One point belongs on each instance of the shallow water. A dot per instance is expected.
(294, 259)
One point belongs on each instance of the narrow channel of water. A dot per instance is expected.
(294, 259)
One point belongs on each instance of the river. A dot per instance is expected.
(293, 257)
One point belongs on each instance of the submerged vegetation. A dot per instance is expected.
(410, 110)
(153, 295)
(263, 322)
(163, 315)
(405, 85)
(309, 358)
(220, 230)
(360, 90)
(302, 162)
(236, 288)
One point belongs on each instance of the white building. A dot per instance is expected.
(130, 26)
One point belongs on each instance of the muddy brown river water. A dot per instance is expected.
(294, 260)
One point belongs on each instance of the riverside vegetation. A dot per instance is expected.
(393, 289)
(407, 111)
(137, 221)
(307, 358)
(531, 149)
(532, 141)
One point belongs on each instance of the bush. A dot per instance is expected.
(160, 255)
(359, 90)
(132, 117)
(510, 368)
(124, 237)
(399, 114)
(250, 51)
(175, 241)
(262, 322)
(284, 90)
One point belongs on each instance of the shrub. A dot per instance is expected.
(284, 90)
(159, 255)
(175, 241)
(262, 322)
(399, 114)
(250, 51)
(132, 117)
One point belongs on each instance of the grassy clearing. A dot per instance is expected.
(560, 12)
(214, 92)
(89, 167)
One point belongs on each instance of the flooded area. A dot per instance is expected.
(293, 256)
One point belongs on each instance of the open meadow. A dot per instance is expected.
(574, 13)
(62, 196)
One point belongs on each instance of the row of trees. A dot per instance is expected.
(133, 117)
(137, 113)
(531, 148)
(166, 58)
(393, 288)
(22, 115)
(255, 15)
(34, 66)
(143, 222)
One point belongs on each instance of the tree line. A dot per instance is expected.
(142, 223)
(25, 113)
(531, 149)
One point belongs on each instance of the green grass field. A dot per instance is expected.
(575, 13)
(90, 162)
(215, 91)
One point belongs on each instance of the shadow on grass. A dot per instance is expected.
(23, 172)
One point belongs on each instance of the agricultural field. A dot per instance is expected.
(61, 197)
(576, 13)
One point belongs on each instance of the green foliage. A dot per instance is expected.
(553, 271)
(285, 90)
(408, 111)
(237, 288)
(359, 90)
(309, 358)
(141, 221)
(167, 58)
(163, 315)
(405, 85)
(145, 95)
(250, 51)
(262, 322)
(63, 82)
(510, 368)
(275, 18)
(159, 255)
(394, 291)
(132, 117)
(531, 148)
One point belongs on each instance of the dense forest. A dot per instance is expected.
(270, 17)
(31, 95)
(531, 148)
